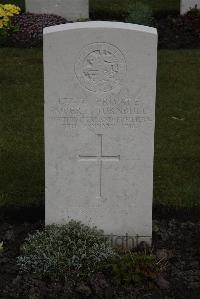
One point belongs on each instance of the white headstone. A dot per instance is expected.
(72, 10)
(100, 88)
(186, 5)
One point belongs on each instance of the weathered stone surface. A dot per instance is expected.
(72, 10)
(100, 87)
(186, 5)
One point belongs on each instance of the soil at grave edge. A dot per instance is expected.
(177, 241)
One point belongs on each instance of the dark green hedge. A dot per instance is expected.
(117, 9)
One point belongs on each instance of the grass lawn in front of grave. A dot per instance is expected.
(21, 129)
(177, 140)
(115, 8)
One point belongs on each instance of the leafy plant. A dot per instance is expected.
(140, 13)
(194, 9)
(1, 247)
(187, 28)
(136, 266)
(60, 250)
(30, 33)
(6, 12)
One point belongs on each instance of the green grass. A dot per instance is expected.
(177, 143)
(177, 139)
(21, 129)
(118, 7)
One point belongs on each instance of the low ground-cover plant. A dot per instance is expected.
(7, 11)
(58, 251)
(136, 266)
(30, 29)
(76, 251)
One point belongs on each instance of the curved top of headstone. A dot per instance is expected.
(99, 24)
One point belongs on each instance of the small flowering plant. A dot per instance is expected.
(68, 250)
(7, 11)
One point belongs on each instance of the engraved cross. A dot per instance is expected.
(101, 158)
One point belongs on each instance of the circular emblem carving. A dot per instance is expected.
(100, 67)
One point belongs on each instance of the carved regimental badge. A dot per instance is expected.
(100, 67)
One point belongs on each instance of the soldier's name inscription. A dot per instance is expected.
(104, 113)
